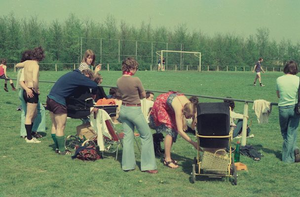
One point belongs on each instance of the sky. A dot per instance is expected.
(211, 17)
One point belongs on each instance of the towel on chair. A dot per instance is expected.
(262, 110)
(99, 126)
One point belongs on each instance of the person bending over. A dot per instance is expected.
(169, 114)
(64, 87)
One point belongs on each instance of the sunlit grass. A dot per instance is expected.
(35, 170)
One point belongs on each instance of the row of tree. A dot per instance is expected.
(64, 42)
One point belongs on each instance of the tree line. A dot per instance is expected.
(64, 42)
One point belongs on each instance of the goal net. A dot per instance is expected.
(178, 60)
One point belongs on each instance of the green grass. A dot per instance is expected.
(35, 170)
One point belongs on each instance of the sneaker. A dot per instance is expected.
(5, 88)
(262, 85)
(23, 136)
(32, 141)
(66, 152)
(254, 84)
(250, 136)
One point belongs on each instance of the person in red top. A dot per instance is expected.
(169, 114)
(4, 76)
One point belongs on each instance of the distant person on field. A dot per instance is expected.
(257, 69)
(161, 65)
(63, 88)
(4, 76)
(287, 92)
(88, 62)
(39, 123)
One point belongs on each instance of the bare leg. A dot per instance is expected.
(259, 77)
(30, 113)
(168, 145)
(60, 121)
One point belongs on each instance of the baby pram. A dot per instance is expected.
(214, 155)
(104, 137)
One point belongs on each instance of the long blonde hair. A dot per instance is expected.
(189, 109)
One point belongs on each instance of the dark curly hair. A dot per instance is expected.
(26, 55)
(38, 54)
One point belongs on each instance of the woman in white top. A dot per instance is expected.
(287, 92)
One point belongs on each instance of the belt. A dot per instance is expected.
(126, 104)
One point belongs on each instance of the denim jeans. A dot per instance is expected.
(131, 117)
(238, 129)
(289, 122)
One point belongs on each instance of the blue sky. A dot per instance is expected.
(211, 17)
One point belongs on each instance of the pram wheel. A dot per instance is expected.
(233, 173)
(89, 143)
(72, 141)
(111, 146)
(193, 174)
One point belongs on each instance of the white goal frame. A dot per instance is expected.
(197, 54)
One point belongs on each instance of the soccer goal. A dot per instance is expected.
(181, 58)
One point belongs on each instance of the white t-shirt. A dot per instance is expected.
(287, 85)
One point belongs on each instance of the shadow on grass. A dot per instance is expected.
(269, 151)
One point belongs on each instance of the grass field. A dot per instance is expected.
(35, 170)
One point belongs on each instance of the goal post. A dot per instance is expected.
(162, 52)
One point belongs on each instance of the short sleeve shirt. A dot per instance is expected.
(287, 85)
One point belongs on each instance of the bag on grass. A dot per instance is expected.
(87, 153)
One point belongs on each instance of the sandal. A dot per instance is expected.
(168, 164)
(173, 160)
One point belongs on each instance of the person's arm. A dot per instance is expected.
(20, 65)
(142, 92)
(254, 68)
(4, 70)
(262, 69)
(277, 92)
(98, 68)
(29, 92)
(179, 118)
(35, 78)
(236, 115)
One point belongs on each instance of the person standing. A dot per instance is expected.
(31, 80)
(3, 75)
(287, 92)
(39, 123)
(131, 116)
(257, 69)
